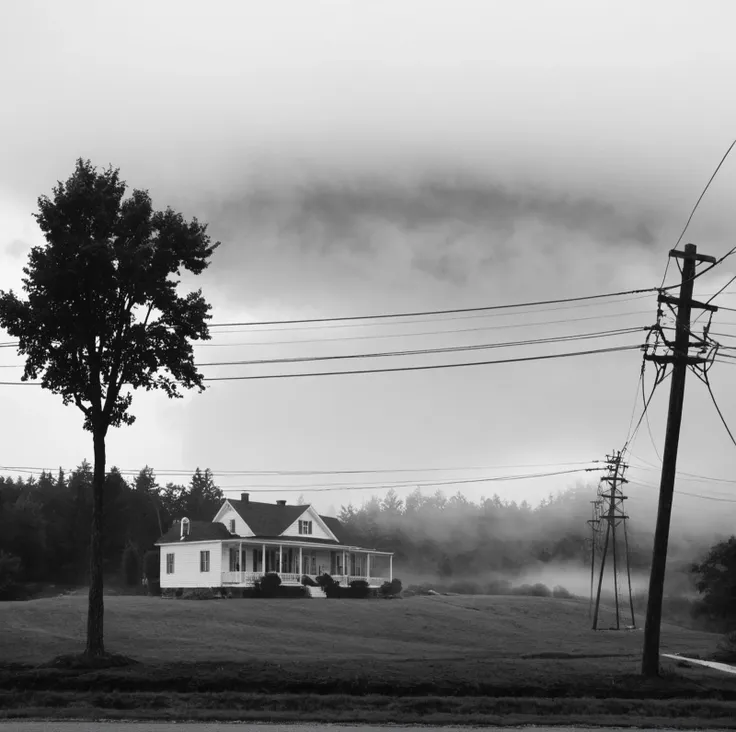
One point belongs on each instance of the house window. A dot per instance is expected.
(204, 561)
(169, 564)
(232, 526)
(305, 527)
(185, 527)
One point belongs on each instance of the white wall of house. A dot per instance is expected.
(226, 514)
(319, 530)
(187, 571)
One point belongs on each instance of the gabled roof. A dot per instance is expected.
(267, 519)
(198, 531)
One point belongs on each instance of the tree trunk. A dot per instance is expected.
(96, 610)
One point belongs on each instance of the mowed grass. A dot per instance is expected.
(458, 628)
(479, 660)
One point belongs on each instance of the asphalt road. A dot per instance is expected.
(21, 726)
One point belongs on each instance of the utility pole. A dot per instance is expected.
(680, 360)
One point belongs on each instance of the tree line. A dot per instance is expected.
(44, 521)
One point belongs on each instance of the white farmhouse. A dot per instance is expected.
(246, 539)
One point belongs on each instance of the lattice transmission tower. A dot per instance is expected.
(608, 532)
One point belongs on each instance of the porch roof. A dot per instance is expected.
(299, 541)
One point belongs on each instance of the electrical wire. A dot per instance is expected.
(452, 311)
(183, 472)
(428, 351)
(695, 208)
(429, 367)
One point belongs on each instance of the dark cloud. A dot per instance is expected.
(442, 228)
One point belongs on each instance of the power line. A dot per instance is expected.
(283, 473)
(424, 368)
(452, 311)
(692, 213)
(686, 493)
(453, 331)
(428, 351)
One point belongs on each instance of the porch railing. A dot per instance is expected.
(248, 579)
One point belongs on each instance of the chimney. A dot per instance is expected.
(280, 503)
(244, 497)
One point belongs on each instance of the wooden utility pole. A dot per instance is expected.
(680, 360)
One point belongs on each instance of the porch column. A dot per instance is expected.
(391, 568)
(280, 559)
(344, 565)
(241, 563)
(368, 567)
(263, 560)
(301, 563)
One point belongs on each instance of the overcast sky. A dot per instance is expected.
(377, 157)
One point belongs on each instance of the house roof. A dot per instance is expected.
(267, 519)
(198, 531)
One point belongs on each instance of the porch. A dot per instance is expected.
(246, 561)
(248, 579)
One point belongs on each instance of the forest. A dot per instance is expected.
(44, 529)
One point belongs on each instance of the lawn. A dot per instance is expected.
(457, 628)
(237, 655)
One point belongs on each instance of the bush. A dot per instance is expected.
(269, 584)
(561, 592)
(10, 567)
(392, 588)
(537, 590)
(291, 591)
(360, 588)
(131, 566)
(498, 587)
(325, 581)
(307, 580)
(726, 651)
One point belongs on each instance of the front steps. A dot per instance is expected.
(315, 592)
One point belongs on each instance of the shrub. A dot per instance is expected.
(307, 580)
(291, 591)
(392, 588)
(10, 567)
(498, 587)
(537, 590)
(269, 584)
(325, 581)
(726, 651)
(131, 565)
(360, 588)
(561, 592)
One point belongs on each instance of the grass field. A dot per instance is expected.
(509, 654)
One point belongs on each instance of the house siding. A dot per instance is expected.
(292, 532)
(186, 565)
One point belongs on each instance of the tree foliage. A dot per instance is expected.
(716, 581)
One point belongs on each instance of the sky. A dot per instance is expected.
(359, 158)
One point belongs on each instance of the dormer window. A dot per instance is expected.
(305, 527)
(231, 524)
(184, 528)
